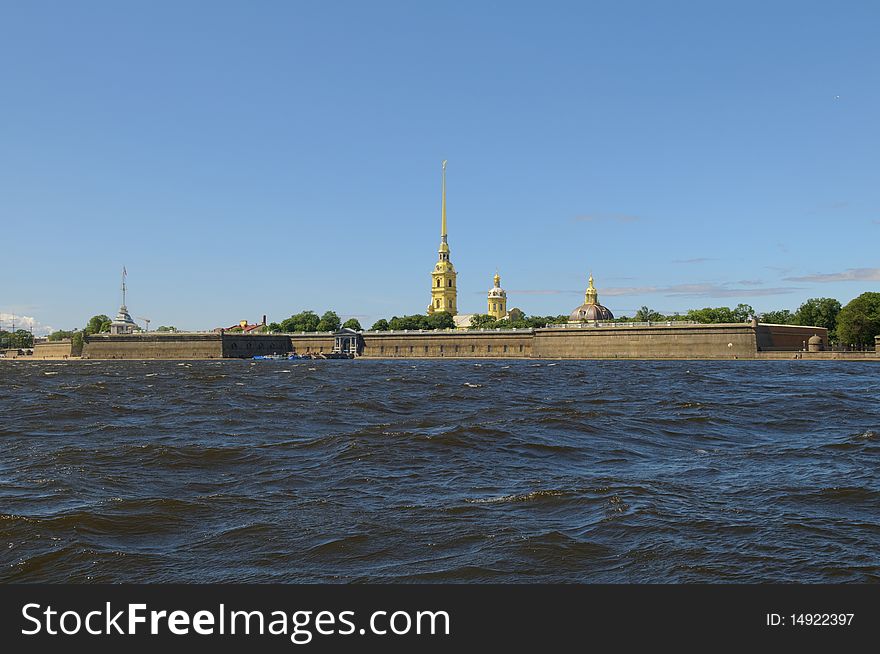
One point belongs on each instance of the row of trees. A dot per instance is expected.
(706, 315)
(439, 320)
(19, 339)
(308, 321)
(444, 320)
(856, 324)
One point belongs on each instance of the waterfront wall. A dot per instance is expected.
(788, 337)
(53, 349)
(477, 344)
(246, 346)
(311, 343)
(668, 341)
(153, 346)
(619, 341)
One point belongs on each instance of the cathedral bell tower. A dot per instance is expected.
(443, 291)
(497, 307)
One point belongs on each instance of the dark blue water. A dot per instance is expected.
(510, 471)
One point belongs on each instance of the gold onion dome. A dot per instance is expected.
(496, 290)
(591, 310)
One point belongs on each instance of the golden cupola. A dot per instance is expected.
(497, 300)
(591, 310)
(443, 289)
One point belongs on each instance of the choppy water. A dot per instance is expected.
(512, 471)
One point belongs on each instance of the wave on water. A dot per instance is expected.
(439, 471)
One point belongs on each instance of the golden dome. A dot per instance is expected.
(591, 310)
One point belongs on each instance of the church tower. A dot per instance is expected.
(497, 300)
(443, 291)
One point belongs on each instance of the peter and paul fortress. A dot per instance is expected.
(589, 333)
(443, 291)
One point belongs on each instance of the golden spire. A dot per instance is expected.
(592, 295)
(443, 206)
(497, 279)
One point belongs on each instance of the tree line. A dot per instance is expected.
(19, 339)
(309, 321)
(855, 324)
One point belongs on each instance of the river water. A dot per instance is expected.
(439, 471)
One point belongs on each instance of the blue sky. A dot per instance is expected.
(243, 159)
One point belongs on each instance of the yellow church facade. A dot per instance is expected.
(497, 300)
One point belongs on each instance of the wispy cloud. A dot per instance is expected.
(851, 275)
(606, 217)
(743, 288)
(698, 290)
(617, 291)
(541, 291)
(696, 260)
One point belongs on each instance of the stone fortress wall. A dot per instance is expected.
(666, 341)
(611, 341)
(53, 349)
(153, 345)
(470, 344)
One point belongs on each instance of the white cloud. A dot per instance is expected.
(851, 275)
(24, 322)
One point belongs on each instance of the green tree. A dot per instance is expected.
(537, 322)
(743, 312)
(330, 322)
(380, 325)
(819, 312)
(166, 328)
(440, 320)
(274, 327)
(406, 322)
(352, 323)
(76, 343)
(60, 335)
(20, 338)
(647, 315)
(98, 324)
(305, 321)
(710, 315)
(781, 317)
(859, 321)
(483, 321)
